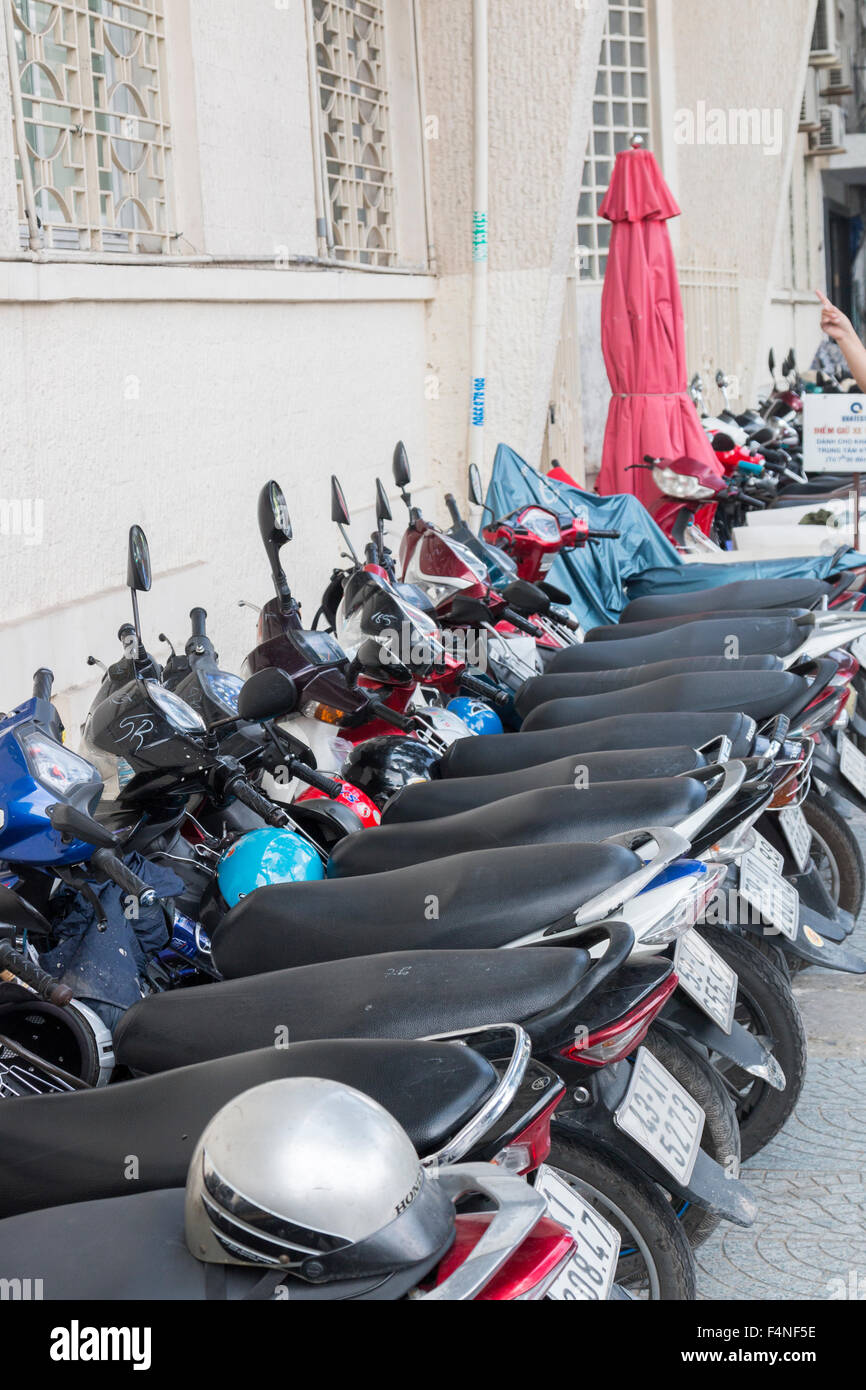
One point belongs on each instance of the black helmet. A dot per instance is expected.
(381, 767)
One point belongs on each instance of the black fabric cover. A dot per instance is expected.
(746, 593)
(487, 899)
(73, 1148)
(711, 637)
(564, 685)
(407, 994)
(759, 694)
(645, 733)
(448, 797)
(554, 814)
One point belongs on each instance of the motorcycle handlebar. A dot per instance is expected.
(33, 975)
(497, 698)
(391, 716)
(198, 620)
(313, 778)
(562, 616)
(514, 618)
(43, 682)
(115, 869)
(603, 535)
(255, 801)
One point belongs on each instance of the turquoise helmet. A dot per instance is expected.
(266, 856)
(478, 716)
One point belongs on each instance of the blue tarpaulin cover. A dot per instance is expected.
(601, 579)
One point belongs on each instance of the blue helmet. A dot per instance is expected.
(266, 856)
(480, 718)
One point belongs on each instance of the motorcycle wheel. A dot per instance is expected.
(721, 1136)
(837, 855)
(656, 1262)
(767, 1009)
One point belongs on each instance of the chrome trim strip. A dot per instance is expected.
(497, 1102)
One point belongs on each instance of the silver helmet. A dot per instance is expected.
(313, 1177)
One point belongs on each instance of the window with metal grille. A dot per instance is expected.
(353, 130)
(95, 138)
(620, 110)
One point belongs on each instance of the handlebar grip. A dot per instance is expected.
(34, 976)
(562, 616)
(497, 698)
(198, 619)
(451, 504)
(115, 869)
(514, 618)
(391, 716)
(313, 778)
(43, 682)
(603, 535)
(255, 801)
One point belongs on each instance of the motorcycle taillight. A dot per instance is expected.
(527, 1274)
(618, 1039)
(530, 1148)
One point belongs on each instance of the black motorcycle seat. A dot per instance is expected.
(406, 994)
(745, 593)
(552, 815)
(733, 618)
(64, 1148)
(759, 694)
(449, 796)
(644, 733)
(487, 899)
(131, 1249)
(562, 685)
(712, 637)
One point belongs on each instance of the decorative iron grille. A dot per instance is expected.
(92, 85)
(353, 93)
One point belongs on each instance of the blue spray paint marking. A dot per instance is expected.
(479, 388)
(479, 236)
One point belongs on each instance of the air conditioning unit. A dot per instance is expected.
(810, 121)
(836, 81)
(830, 139)
(825, 43)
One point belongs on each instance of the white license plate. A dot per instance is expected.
(589, 1275)
(852, 764)
(707, 978)
(776, 900)
(771, 857)
(796, 831)
(661, 1116)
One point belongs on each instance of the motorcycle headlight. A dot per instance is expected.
(542, 524)
(179, 714)
(54, 767)
(682, 485)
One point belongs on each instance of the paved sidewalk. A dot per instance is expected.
(809, 1240)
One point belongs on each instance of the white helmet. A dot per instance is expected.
(314, 1178)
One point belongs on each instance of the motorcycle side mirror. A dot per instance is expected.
(379, 661)
(138, 572)
(476, 492)
(138, 576)
(383, 506)
(723, 443)
(772, 362)
(526, 598)
(267, 695)
(275, 527)
(400, 466)
(721, 379)
(339, 510)
(275, 524)
(764, 436)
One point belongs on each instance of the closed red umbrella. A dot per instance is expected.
(643, 333)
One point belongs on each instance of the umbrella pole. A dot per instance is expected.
(480, 187)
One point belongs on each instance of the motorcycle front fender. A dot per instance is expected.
(738, 1046)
